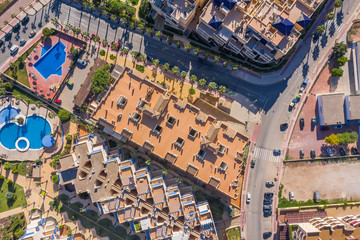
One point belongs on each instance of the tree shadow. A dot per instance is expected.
(324, 40)
(339, 18)
(332, 29)
(305, 70)
(316, 52)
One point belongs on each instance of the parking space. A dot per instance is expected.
(332, 180)
(310, 137)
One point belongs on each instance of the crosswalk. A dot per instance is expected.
(263, 153)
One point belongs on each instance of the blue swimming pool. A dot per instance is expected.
(44, 49)
(52, 60)
(7, 114)
(34, 130)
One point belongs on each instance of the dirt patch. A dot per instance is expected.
(332, 180)
(354, 32)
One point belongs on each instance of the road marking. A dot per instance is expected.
(263, 153)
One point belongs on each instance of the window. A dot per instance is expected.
(157, 129)
(201, 154)
(171, 120)
(193, 133)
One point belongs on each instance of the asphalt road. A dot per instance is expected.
(270, 136)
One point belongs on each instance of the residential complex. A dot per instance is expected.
(144, 199)
(262, 30)
(169, 128)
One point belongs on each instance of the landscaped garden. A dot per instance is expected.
(233, 234)
(11, 195)
(13, 226)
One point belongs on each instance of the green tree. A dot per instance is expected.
(113, 17)
(46, 32)
(332, 139)
(68, 137)
(341, 61)
(338, 3)
(337, 72)
(340, 49)
(330, 16)
(212, 85)
(216, 59)
(149, 30)
(124, 51)
(166, 66)
(165, 172)
(64, 115)
(158, 34)
(193, 78)
(148, 162)
(320, 29)
(142, 58)
(347, 137)
(183, 74)
(55, 179)
(100, 78)
(175, 70)
(9, 196)
(156, 62)
(196, 51)
(202, 82)
(141, 26)
(187, 47)
(38, 104)
(191, 91)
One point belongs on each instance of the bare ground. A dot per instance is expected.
(332, 180)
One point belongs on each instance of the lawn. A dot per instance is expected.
(23, 95)
(20, 166)
(15, 188)
(233, 234)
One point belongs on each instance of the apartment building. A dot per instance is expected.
(341, 228)
(177, 13)
(142, 198)
(194, 143)
(262, 30)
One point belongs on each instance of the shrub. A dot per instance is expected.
(64, 115)
(15, 171)
(340, 49)
(347, 137)
(46, 32)
(67, 146)
(140, 68)
(9, 196)
(337, 72)
(55, 179)
(112, 56)
(68, 138)
(20, 120)
(341, 61)
(100, 79)
(332, 139)
(102, 53)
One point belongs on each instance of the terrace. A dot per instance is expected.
(142, 184)
(190, 211)
(158, 193)
(174, 202)
(162, 117)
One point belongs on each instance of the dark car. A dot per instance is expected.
(342, 152)
(312, 154)
(1, 43)
(302, 153)
(267, 213)
(313, 121)
(354, 150)
(302, 122)
(268, 195)
(22, 42)
(284, 126)
(267, 235)
(25, 20)
(252, 163)
(267, 207)
(16, 27)
(268, 201)
(277, 152)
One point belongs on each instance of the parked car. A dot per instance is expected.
(32, 33)
(248, 198)
(277, 152)
(267, 213)
(284, 126)
(58, 101)
(14, 49)
(82, 63)
(291, 196)
(267, 207)
(267, 235)
(302, 122)
(312, 153)
(1, 43)
(268, 201)
(313, 121)
(302, 153)
(252, 163)
(270, 183)
(354, 150)
(291, 106)
(268, 195)
(25, 19)
(330, 152)
(16, 27)
(342, 152)
(22, 42)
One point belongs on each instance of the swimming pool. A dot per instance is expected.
(44, 49)
(34, 130)
(7, 114)
(51, 61)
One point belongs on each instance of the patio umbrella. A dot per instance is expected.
(48, 141)
(48, 94)
(41, 90)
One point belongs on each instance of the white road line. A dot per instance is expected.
(262, 153)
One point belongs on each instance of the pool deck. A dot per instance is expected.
(28, 110)
(38, 83)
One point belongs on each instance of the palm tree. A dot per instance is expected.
(165, 171)
(212, 85)
(148, 162)
(85, 35)
(91, 7)
(149, 30)
(166, 66)
(193, 78)
(235, 67)
(105, 13)
(187, 47)
(222, 89)
(6, 22)
(39, 2)
(14, 16)
(183, 74)
(175, 70)
(123, 20)
(113, 17)
(76, 31)
(104, 42)
(202, 82)
(156, 62)
(30, 5)
(338, 3)
(141, 26)
(216, 58)
(68, 27)
(21, 9)
(196, 51)
(320, 29)
(124, 51)
(55, 21)
(330, 16)
(142, 58)
(134, 54)
(38, 104)
(158, 34)
(1, 30)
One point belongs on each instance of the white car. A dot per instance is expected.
(248, 198)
